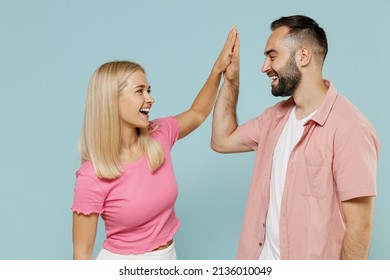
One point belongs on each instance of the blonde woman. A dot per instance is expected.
(126, 174)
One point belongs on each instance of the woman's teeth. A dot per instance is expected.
(145, 111)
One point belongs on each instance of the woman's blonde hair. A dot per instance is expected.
(100, 140)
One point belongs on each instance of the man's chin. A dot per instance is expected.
(280, 92)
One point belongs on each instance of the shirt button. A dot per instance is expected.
(260, 244)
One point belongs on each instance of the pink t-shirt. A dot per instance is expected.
(138, 207)
(335, 160)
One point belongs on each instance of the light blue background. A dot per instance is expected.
(49, 49)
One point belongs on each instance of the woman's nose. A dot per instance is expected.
(149, 99)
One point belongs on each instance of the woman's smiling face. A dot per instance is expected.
(135, 101)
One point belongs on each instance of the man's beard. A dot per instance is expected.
(289, 79)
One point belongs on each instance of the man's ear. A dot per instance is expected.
(303, 56)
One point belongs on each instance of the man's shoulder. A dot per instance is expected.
(281, 107)
(347, 113)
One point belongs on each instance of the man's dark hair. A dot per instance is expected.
(305, 30)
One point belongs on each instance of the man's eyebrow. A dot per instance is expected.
(270, 52)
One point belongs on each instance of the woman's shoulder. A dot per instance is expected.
(86, 178)
(166, 125)
(86, 169)
(165, 128)
(164, 122)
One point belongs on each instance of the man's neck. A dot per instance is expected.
(308, 97)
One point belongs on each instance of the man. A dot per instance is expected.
(314, 182)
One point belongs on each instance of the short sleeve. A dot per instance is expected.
(88, 196)
(355, 162)
(168, 128)
(249, 132)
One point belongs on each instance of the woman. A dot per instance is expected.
(126, 174)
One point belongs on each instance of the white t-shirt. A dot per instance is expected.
(289, 137)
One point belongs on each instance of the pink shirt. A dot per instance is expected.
(335, 160)
(138, 207)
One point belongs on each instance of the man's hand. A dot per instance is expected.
(224, 58)
(232, 72)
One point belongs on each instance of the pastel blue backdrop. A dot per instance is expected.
(49, 49)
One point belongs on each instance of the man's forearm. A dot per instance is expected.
(224, 118)
(356, 243)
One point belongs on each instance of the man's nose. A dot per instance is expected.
(266, 66)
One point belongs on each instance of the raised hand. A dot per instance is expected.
(204, 101)
(224, 58)
(232, 71)
(224, 136)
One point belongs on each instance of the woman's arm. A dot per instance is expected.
(204, 101)
(84, 234)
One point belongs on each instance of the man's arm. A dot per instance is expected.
(204, 101)
(359, 214)
(224, 138)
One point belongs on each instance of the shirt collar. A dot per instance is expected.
(323, 111)
(326, 106)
